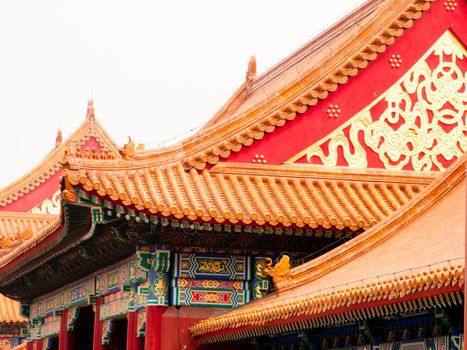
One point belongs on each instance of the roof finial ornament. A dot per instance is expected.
(279, 272)
(251, 72)
(58, 138)
(90, 111)
(128, 151)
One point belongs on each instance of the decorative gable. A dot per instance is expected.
(418, 124)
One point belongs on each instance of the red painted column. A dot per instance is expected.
(131, 338)
(153, 335)
(65, 337)
(29, 345)
(97, 337)
(40, 344)
(63, 330)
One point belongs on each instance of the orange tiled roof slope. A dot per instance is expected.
(419, 249)
(298, 82)
(238, 193)
(51, 163)
(9, 311)
(21, 231)
(17, 227)
(20, 347)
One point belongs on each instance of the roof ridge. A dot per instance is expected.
(225, 134)
(34, 239)
(50, 164)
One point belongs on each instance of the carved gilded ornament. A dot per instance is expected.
(128, 150)
(424, 119)
(48, 206)
(69, 194)
(280, 271)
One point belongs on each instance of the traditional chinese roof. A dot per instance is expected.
(16, 228)
(9, 311)
(413, 254)
(90, 128)
(21, 231)
(166, 181)
(287, 90)
(241, 193)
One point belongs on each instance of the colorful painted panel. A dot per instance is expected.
(438, 343)
(114, 280)
(73, 296)
(79, 294)
(209, 266)
(10, 329)
(35, 332)
(114, 305)
(8, 343)
(136, 274)
(210, 297)
(51, 326)
(141, 298)
(261, 282)
(143, 260)
(101, 284)
(209, 284)
(456, 342)
(158, 288)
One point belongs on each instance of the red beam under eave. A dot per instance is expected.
(424, 294)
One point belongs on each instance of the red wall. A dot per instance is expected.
(359, 91)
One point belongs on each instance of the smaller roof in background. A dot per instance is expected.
(9, 311)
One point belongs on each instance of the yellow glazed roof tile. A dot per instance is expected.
(411, 252)
(9, 311)
(273, 195)
(51, 163)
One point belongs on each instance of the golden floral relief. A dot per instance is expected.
(423, 122)
(48, 206)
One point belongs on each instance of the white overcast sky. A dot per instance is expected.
(156, 69)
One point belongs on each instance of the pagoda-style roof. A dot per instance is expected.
(287, 90)
(21, 231)
(242, 193)
(413, 256)
(50, 165)
(9, 311)
(16, 228)
(188, 182)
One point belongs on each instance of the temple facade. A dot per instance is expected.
(322, 207)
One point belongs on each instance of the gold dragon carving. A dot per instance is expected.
(280, 271)
(424, 118)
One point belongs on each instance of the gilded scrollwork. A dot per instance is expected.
(49, 206)
(423, 122)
